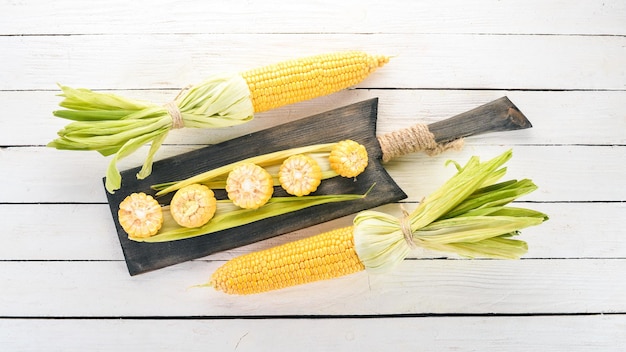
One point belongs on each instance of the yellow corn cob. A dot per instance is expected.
(306, 78)
(321, 257)
(222, 100)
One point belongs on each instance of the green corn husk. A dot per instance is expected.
(271, 161)
(229, 216)
(119, 126)
(468, 216)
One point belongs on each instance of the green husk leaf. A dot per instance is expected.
(85, 99)
(521, 212)
(146, 169)
(500, 247)
(220, 173)
(492, 196)
(228, 216)
(271, 166)
(469, 178)
(472, 228)
(115, 125)
(113, 176)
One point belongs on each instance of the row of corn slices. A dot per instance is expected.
(248, 186)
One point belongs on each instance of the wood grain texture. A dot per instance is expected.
(500, 115)
(571, 232)
(549, 334)
(563, 173)
(366, 16)
(64, 285)
(593, 117)
(430, 286)
(446, 61)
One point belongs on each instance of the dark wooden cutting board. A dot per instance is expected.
(356, 122)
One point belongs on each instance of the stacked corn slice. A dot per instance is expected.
(114, 125)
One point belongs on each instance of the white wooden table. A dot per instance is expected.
(63, 280)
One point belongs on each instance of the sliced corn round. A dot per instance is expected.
(300, 175)
(140, 215)
(193, 205)
(249, 186)
(348, 158)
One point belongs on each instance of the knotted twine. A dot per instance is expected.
(414, 139)
(174, 111)
(405, 227)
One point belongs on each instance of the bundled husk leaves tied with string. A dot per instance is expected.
(118, 126)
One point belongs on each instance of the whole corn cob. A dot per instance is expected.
(114, 125)
(306, 78)
(467, 216)
(321, 257)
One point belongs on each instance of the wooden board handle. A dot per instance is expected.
(496, 116)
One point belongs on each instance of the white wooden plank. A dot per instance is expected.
(431, 61)
(415, 287)
(558, 117)
(40, 174)
(544, 333)
(239, 16)
(595, 173)
(564, 173)
(58, 232)
(86, 232)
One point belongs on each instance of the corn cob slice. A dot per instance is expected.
(321, 257)
(193, 205)
(249, 186)
(301, 79)
(348, 158)
(300, 175)
(140, 215)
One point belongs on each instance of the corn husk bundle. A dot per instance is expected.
(469, 215)
(118, 126)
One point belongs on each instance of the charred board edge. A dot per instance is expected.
(496, 116)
